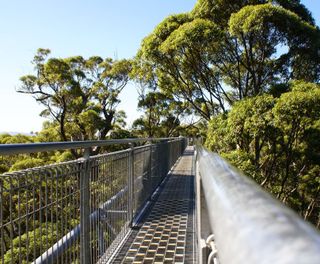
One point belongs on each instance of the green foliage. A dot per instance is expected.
(217, 141)
(262, 28)
(224, 51)
(6, 162)
(79, 95)
(298, 8)
(65, 156)
(31, 245)
(256, 18)
(19, 138)
(151, 44)
(187, 47)
(276, 141)
(3, 168)
(220, 10)
(190, 34)
(49, 133)
(26, 164)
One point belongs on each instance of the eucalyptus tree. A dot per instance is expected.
(80, 95)
(224, 51)
(162, 111)
(162, 116)
(260, 30)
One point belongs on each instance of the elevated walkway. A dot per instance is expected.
(89, 210)
(166, 234)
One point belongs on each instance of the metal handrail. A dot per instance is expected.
(249, 225)
(23, 148)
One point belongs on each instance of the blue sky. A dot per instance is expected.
(108, 28)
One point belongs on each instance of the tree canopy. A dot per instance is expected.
(223, 51)
(276, 141)
(79, 95)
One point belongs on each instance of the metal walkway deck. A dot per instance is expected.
(167, 232)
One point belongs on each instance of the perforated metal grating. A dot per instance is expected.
(167, 233)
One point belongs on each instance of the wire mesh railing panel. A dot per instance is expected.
(142, 173)
(78, 211)
(151, 165)
(108, 201)
(38, 207)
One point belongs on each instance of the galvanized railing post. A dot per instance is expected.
(150, 168)
(130, 184)
(85, 209)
